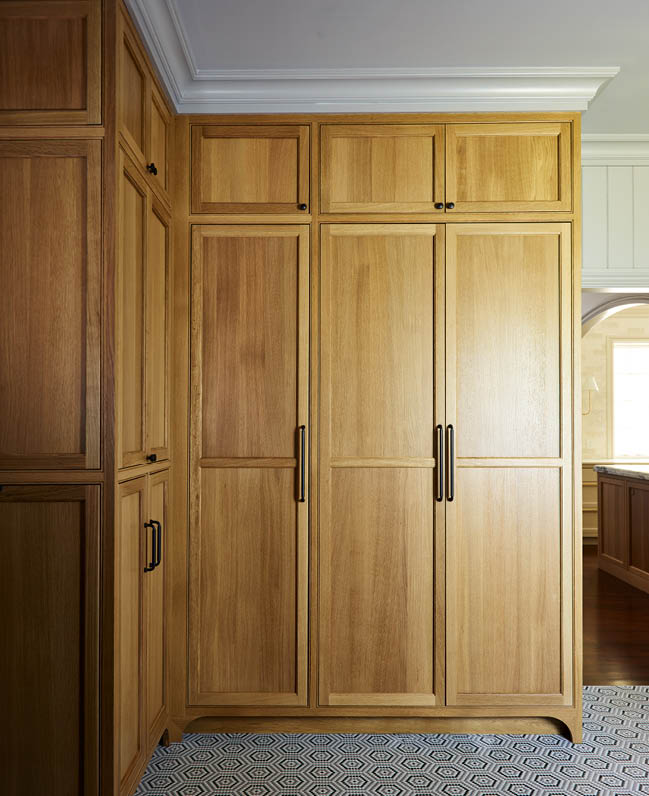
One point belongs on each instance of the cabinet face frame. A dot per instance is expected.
(89, 499)
(128, 171)
(90, 457)
(91, 11)
(562, 464)
(199, 464)
(329, 132)
(200, 132)
(562, 130)
(329, 464)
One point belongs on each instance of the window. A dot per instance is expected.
(629, 363)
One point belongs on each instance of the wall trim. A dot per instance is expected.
(614, 149)
(627, 279)
(197, 90)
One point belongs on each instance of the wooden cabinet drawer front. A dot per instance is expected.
(374, 168)
(63, 84)
(514, 167)
(261, 169)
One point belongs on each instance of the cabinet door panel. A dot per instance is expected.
(49, 670)
(62, 84)
(373, 168)
(509, 167)
(380, 529)
(157, 341)
(50, 304)
(638, 527)
(262, 169)
(159, 143)
(613, 517)
(134, 91)
(131, 553)
(155, 601)
(130, 316)
(249, 396)
(509, 527)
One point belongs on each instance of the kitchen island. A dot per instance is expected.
(623, 525)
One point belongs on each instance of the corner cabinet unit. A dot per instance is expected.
(384, 527)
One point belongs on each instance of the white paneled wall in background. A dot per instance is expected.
(615, 212)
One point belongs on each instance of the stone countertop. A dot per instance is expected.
(624, 471)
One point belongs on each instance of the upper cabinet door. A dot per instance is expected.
(131, 297)
(513, 167)
(261, 169)
(160, 122)
(158, 295)
(134, 91)
(377, 168)
(50, 304)
(63, 84)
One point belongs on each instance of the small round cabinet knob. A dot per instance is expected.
(450, 205)
(152, 457)
(439, 205)
(301, 206)
(151, 167)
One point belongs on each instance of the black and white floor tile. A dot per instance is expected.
(613, 760)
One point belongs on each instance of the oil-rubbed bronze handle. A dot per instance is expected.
(158, 558)
(451, 463)
(439, 205)
(152, 564)
(151, 168)
(440, 464)
(301, 206)
(302, 497)
(152, 457)
(450, 205)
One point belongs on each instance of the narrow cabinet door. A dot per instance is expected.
(382, 168)
(249, 475)
(49, 666)
(131, 297)
(158, 318)
(133, 552)
(493, 168)
(160, 122)
(380, 584)
(509, 513)
(134, 90)
(155, 601)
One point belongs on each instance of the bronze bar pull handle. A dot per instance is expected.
(302, 497)
(158, 558)
(440, 463)
(451, 463)
(152, 564)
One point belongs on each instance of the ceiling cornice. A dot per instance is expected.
(196, 90)
(627, 149)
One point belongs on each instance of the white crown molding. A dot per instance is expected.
(627, 279)
(627, 149)
(196, 90)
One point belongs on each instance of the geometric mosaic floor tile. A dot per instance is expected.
(613, 760)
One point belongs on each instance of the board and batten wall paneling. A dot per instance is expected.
(615, 228)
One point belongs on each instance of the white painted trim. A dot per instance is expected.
(197, 90)
(610, 149)
(628, 279)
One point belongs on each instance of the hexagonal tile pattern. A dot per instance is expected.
(613, 760)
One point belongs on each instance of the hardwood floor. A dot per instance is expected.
(616, 617)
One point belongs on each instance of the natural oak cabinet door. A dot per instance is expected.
(381, 625)
(382, 168)
(155, 606)
(248, 537)
(134, 92)
(260, 169)
(158, 318)
(50, 304)
(508, 528)
(160, 124)
(512, 167)
(132, 554)
(613, 520)
(131, 330)
(49, 634)
(50, 62)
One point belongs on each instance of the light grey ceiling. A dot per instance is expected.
(249, 34)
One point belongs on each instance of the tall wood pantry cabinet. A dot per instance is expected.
(375, 346)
